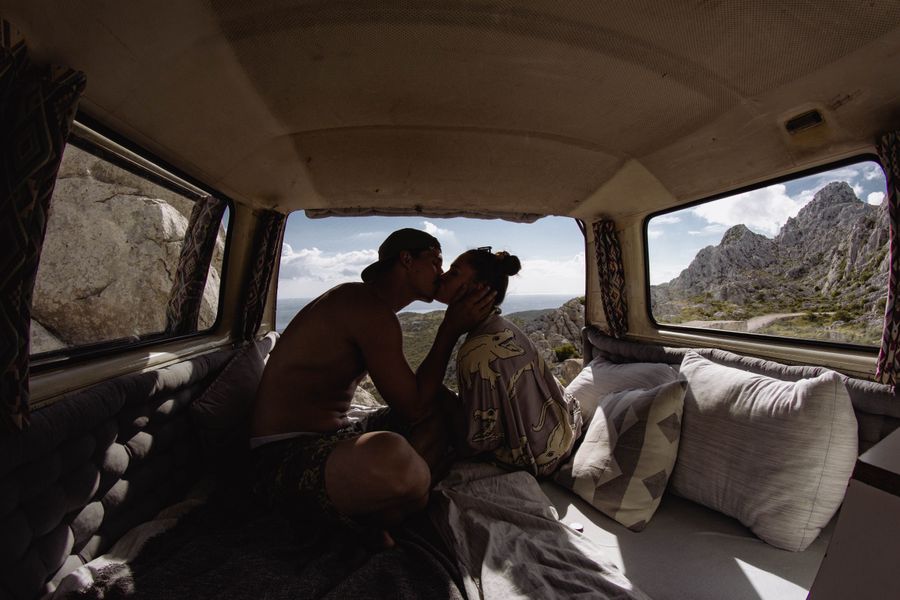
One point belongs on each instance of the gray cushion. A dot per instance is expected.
(222, 412)
(776, 455)
(601, 377)
(227, 401)
(624, 462)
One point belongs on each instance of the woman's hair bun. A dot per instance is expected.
(509, 263)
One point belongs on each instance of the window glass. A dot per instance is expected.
(546, 298)
(806, 258)
(109, 257)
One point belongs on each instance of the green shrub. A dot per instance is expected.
(565, 351)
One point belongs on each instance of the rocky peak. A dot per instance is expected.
(834, 206)
(737, 234)
(836, 192)
(741, 255)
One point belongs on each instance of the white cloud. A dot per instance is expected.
(848, 174)
(872, 171)
(548, 276)
(666, 220)
(764, 210)
(371, 235)
(309, 271)
(713, 229)
(806, 196)
(663, 273)
(654, 233)
(875, 198)
(438, 232)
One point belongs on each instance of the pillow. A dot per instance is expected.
(222, 412)
(774, 454)
(624, 462)
(601, 377)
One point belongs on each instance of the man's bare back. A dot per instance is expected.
(313, 371)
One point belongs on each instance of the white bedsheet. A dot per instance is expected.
(690, 552)
(510, 544)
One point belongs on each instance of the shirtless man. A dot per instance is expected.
(307, 459)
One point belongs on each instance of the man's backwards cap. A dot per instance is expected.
(402, 239)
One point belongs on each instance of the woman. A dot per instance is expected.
(512, 405)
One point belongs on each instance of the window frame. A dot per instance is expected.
(737, 335)
(90, 136)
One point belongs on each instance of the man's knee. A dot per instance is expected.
(396, 465)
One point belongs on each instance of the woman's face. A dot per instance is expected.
(458, 277)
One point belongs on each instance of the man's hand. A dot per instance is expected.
(469, 307)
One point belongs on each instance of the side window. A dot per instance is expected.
(110, 255)
(805, 259)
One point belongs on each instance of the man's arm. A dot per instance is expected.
(463, 313)
(412, 395)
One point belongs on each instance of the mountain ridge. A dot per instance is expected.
(830, 259)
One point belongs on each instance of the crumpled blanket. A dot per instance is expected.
(510, 544)
(227, 549)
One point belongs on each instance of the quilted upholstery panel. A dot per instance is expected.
(94, 465)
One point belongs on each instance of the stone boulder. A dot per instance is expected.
(42, 340)
(109, 258)
(556, 328)
(567, 370)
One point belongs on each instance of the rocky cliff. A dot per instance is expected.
(831, 258)
(555, 329)
(112, 245)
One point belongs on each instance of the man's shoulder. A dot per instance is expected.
(351, 287)
(345, 292)
(356, 299)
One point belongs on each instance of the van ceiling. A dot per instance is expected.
(548, 107)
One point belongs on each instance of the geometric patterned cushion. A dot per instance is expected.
(626, 458)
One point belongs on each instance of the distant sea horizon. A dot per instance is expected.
(286, 308)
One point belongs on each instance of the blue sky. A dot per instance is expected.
(676, 237)
(321, 253)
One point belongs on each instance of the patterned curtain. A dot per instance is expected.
(265, 247)
(37, 105)
(183, 309)
(889, 356)
(612, 277)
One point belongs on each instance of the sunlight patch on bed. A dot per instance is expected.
(764, 583)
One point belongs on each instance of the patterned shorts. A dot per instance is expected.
(289, 475)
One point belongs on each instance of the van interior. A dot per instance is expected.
(730, 171)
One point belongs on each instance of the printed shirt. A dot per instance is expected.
(514, 406)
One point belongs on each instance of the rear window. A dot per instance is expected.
(546, 298)
(802, 259)
(110, 255)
